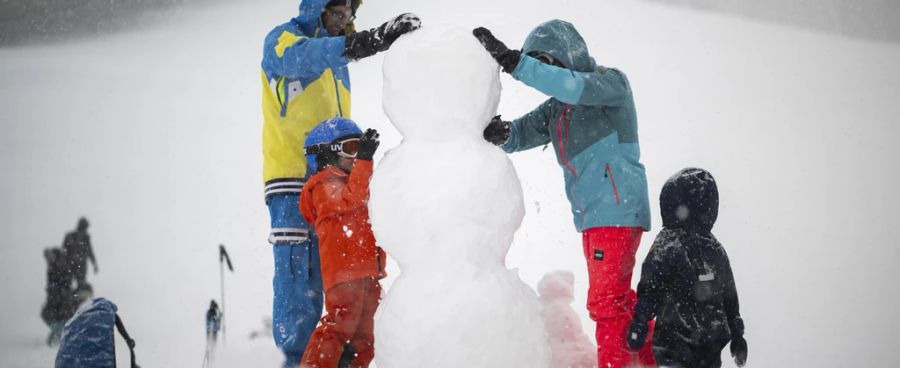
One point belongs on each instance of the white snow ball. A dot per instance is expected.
(440, 82)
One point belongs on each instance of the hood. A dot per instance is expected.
(563, 42)
(690, 200)
(310, 17)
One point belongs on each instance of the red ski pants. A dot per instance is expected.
(610, 253)
(348, 322)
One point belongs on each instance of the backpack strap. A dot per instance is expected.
(121, 327)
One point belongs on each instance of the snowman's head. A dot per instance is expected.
(440, 84)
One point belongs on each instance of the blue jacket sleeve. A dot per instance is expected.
(296, 56)
(530, 130)
(603, 87)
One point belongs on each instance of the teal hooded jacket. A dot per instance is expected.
(591, 122)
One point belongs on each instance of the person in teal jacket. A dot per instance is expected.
(305, 80)
(591, 123)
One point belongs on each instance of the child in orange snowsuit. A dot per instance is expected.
(335, 201)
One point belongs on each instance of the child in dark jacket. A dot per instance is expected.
(335, 201)
(687, 283)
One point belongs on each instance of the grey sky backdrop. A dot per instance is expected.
(29, 21)
(871, 19)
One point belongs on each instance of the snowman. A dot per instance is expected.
(445, 204)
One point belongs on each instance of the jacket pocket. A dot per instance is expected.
(612, 181)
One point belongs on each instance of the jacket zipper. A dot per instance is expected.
(562, 148)
(612, 180)
(337, 94)
(559, 135)
(281, 93)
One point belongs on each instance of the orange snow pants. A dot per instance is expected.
(610, 253)
(347, 329)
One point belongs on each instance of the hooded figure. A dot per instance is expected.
(686, 280)
(78, 250)
(305, 80)
(61, 298)
(590, 121)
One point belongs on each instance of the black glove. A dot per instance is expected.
(368, 143)
(366, 43)
(739, 350)
(637, 335)
(497, 131)
(508, 59)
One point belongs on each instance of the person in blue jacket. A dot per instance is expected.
(589, 118)
(305, 80)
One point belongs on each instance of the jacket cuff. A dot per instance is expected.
(736, 325)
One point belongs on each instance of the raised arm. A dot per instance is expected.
(531, 130)
(605, 87)
(293, 55)
(336, 198)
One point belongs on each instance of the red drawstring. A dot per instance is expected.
(559, 135)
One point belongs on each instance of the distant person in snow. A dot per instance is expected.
(61, 300)
(213, 322)
(591, 123)
(687, 283)
(335, 201)
(305, 81)
(77, 246)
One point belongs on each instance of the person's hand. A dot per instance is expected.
(508, 59)
(739, 350)
(368, 143)
(497, 131)
(637, 335)
(367, 43)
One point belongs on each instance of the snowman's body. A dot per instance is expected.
(445, 204)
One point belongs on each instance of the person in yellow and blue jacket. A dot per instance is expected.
(305, 81)
(590, 121)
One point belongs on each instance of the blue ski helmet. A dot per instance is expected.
(326, 132)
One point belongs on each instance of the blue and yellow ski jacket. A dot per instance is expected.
(305, 81)
(590, 120)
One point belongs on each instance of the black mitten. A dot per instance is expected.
(508, 59)
(497, 131)
(368, 143)
(637, 335)
(739, 350)
(367, 43)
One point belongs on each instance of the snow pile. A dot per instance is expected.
(445, 204)
(570, 346)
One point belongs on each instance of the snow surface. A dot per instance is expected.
(445, 205)
(153, 133)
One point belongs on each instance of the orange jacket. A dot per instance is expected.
(337, 205)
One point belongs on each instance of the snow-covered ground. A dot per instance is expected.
(154, 135)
